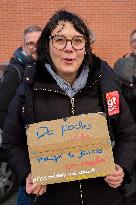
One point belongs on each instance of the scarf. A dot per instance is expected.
(22, 58)
(70, 90)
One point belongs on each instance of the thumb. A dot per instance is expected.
(117, 167)
(30, 188)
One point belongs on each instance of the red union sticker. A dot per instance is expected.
(113, 102)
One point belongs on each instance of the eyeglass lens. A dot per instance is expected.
(30, 45)
(60, 42)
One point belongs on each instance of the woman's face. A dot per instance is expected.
(67, 60)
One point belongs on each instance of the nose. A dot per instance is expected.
(68, 45)
(34, 48)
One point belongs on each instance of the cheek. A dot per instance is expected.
(133, 45)
(81, 57)
(54, 54)
(28, 52)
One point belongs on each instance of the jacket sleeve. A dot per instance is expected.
(119, 68)
(122, 125)
(15, 140)
(7, 91)
(125, 141)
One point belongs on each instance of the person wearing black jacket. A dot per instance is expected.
(13, 76)
(68, 80)
(125, 68)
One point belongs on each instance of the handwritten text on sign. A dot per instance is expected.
(70, 149)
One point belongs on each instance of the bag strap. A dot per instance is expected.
(20, 74)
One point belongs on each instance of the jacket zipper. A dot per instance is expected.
(80, 185)
(72, 113)
(72, 106)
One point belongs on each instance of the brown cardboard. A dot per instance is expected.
(70, 149)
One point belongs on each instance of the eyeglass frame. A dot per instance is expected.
(27, 45)
(51, 37)
(133, 41)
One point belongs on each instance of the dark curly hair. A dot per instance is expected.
(64, 16)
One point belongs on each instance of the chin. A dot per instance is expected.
(70, 71)
(70, 68)
(34, 57)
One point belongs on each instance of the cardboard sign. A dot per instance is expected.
(70, 149)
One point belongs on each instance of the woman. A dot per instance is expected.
(68, 80)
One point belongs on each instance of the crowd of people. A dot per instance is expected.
(55, 75)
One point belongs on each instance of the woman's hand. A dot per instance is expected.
(116, 179)
(34, 188)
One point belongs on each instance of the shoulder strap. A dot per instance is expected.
(20, 73)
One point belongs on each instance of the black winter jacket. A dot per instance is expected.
(12, 78)
(39, 99)
(125, 68)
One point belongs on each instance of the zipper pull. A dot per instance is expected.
(35, 199)
(73, 104)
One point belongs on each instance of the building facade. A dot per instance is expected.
(111, 20)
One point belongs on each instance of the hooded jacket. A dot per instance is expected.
(12, 78)
(40, 99)
(125, 68)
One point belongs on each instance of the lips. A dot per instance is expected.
(69, 60)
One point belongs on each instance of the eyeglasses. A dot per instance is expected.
(133, 41)
(30, 45)
(59, 42)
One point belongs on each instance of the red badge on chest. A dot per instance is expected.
(113, 102)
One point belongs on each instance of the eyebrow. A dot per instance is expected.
(66, 37)
(31, 42)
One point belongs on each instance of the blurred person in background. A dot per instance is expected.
(3, 67)
(23, 58)
(13, 76)
(125, 68)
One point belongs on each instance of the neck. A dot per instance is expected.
(69, 78)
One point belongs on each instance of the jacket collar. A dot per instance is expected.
(20, 58)
(40, 78)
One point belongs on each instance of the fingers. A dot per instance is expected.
(34, 188)
(116, 179)
(30, 188)
(40, 189)
(119, 171)
(114, 184)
